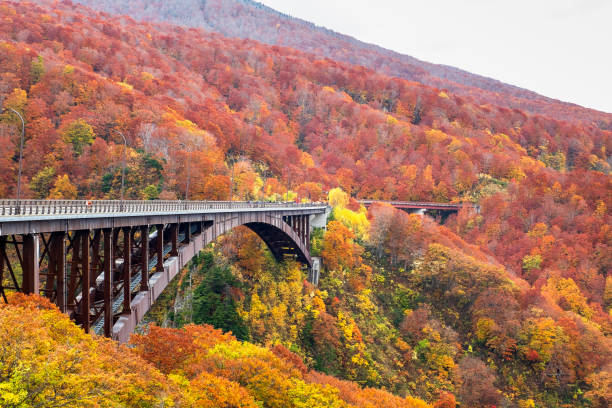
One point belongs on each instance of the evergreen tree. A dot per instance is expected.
(214, 304)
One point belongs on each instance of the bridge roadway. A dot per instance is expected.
(122, 254)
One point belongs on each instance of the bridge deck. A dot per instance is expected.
(420, 205)
(38, 216)
(25, 210)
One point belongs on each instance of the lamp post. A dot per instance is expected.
(123, 166)
(232, 160)
(232, 183)
(188, 177)
(20, 157)
(188, 170)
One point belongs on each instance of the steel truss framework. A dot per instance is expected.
(103, 275)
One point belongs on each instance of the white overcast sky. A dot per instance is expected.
(558, 48)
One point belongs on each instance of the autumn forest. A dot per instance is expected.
(507, 303)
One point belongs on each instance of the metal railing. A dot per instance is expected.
(418, 203)
(78, 207)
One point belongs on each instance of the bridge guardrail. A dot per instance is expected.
(76, 207)
(416, 203)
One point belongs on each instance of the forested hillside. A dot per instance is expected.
(250, 19)
(507, 306)
(406, 305)
(47, 361)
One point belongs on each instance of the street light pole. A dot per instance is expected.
(20, 158)
(233, 161)
(188, 178)
(184, 145)
(123, 166)
(232, 182)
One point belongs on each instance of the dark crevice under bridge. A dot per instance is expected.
(105, 263)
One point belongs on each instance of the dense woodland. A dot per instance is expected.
(508, 306)
(48, 361)
(253, 20)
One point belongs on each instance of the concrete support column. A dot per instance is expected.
(300, 228)
(109, 261)
(57, 267)
(302, 224)
(31, 271)
(174, 239)
(187, 232)
(86, 280)
(315, 271)
(96, 263)
(127, 269)
(160, 248)
(74, 271)
(2, 251)
(144, 258)
(116, 250)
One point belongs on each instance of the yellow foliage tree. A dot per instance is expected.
(63, 189)
(339, 249)
(337, 197)
(246, 182)
(356, 221)
(46, 360)
(567, 294)
(540, 334)
(17, 100)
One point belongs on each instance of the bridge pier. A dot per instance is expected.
(109, 264)
(57, 269)
(29, 263)
(174, 239)
(85, 308)
(144, 258)
(315, 271)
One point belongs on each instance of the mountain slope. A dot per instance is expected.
(251, 121)
(250, 19)
(284, 122)
(48, 361)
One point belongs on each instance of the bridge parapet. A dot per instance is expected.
(83, 207)
(420, 205)
(440, 211)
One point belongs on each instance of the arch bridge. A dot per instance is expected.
(106, 262)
